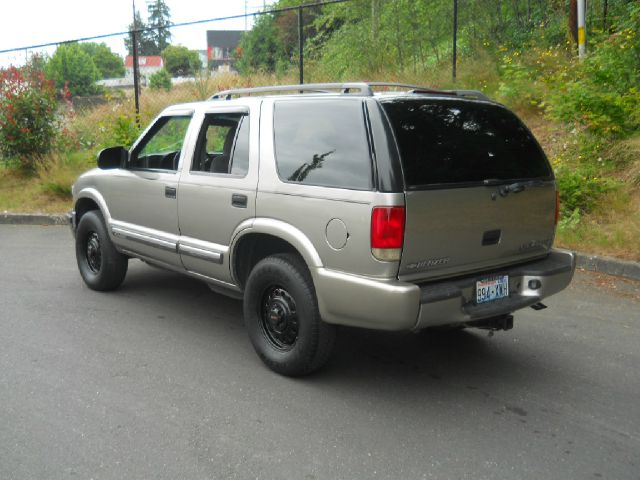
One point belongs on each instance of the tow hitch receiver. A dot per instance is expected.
(502, 322)
(538, 306)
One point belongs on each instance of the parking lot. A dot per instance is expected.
(158, 380)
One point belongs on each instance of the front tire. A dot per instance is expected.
(101, 266)
(282, 318)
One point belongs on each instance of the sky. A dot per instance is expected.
(32, 22)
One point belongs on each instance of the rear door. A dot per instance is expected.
(479, 190)
(218, 189)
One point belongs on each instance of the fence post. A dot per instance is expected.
(455, 39)
(136, 75)
(136, 71)
(582, 30)
(300, 43)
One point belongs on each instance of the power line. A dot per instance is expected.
(174, 25)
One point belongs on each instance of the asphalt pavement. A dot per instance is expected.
(158, 380)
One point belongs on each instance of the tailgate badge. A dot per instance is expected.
(537, 245)
(432, 262)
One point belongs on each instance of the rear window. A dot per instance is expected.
(322, 143)
(451, 141)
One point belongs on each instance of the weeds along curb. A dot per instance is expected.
(593, 263)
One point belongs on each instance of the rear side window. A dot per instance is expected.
(223, 144)
(322, 143)
(447, 141)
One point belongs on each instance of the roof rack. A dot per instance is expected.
(345, 88)
(353, 88)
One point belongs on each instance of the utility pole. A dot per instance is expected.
(245, 15)
(582, 29)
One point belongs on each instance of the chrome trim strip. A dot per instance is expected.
(200, 253)
(144, 239)
(213, 281)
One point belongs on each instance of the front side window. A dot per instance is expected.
(323, 143)
(223, 144)
(160, 150)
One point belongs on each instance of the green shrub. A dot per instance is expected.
(28, 123)
(602, 92)
(71, 67)
(181, 61)
(580, 190)
(160, 80)
(124, 131)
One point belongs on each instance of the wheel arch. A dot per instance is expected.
(263, 237)
(90, 199)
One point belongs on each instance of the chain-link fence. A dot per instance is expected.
(107, 100)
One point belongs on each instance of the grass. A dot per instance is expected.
(46, 191)
(613, 229)
(20, 193)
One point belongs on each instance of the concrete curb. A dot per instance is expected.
(32, 219)
(609, 265)
(593, 263)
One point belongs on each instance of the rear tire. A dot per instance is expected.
(282, 318)
(101, 266)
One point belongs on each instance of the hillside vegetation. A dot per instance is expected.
(585, 113)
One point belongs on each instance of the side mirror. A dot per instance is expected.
(112, 157)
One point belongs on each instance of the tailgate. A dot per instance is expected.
(479, 190)
(457, 231)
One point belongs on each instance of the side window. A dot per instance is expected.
(160, 150)
(323, 143)
(223, 144)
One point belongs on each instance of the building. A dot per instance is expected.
(148, 65)
(221, 47)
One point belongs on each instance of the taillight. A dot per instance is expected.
(557, 207)
(387, 233)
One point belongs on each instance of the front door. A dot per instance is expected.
(143, 196)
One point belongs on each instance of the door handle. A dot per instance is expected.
(238, 200)
(170, 192)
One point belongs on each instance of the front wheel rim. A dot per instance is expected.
(279, 318)
(93, 252)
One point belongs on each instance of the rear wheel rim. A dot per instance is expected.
(279, 318)
(94, 252)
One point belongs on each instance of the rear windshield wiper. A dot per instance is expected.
(515, 187)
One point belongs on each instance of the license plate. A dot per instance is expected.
(490, 289)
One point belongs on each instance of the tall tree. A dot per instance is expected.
(160, 21)
(261, 49)
(147, 44)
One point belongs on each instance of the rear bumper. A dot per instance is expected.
(394, 305)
